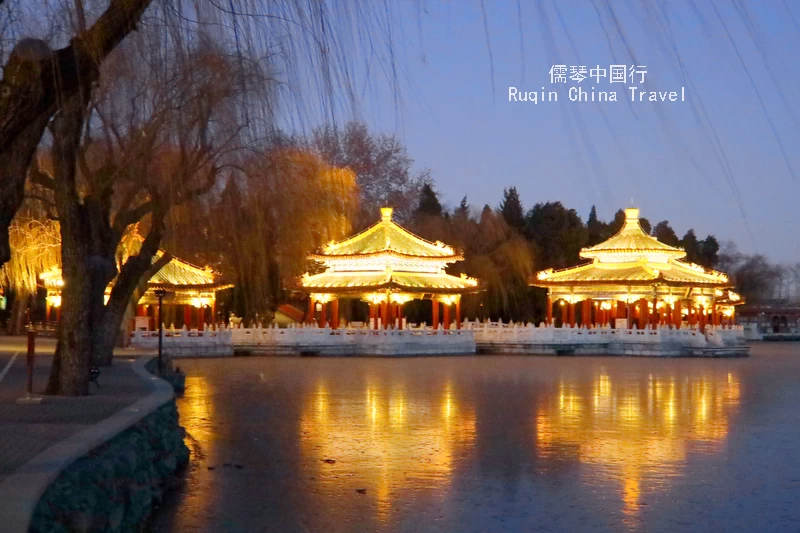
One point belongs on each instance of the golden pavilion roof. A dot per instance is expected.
(386, 237)
(631, 240)
(180, 273)
(387, 257)
(632, 257)
(671, 272)
(176, 274)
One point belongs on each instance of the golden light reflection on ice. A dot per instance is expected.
(636, 432)
(197, 408)
(390, 441)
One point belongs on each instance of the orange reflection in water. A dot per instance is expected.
(197, 408)
(636, 432)
(389, 440)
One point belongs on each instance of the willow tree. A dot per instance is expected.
(37, 81)
(309, 43)
(148, 138)
(287, 202)
(35, 249)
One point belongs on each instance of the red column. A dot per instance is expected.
(678, 314)
(656, 318)
(549, 308)
(373, 313)
(714, 313)
(644, 313)
(47, 310)
(586, 313)
(612, 313)
(310, 312)
(564, 314)
(335, 313)
(389, 314)
(141, 310)
(187, 317)
(458, 313)
(572, 314)
(701, 314)
(629, 314)
(446, 316)
(435, 314)
(384, 314)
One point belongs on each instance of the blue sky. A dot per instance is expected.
(717, 166)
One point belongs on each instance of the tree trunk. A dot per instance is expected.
(132, 280)
(101, 272)
(17, 318)
(70, 377)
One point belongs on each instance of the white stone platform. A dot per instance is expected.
(472, 337)
(661, 341)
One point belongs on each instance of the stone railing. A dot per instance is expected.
(311, 340)
(498, 332)
(184, 343)
(488, 337)
(354, 341)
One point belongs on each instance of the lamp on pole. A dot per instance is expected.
(160, 293)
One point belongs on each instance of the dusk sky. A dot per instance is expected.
(718, 162)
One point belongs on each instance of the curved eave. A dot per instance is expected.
(731, 302)
(655, 281)
(185, 288)
(388, 253)
(591, 253)
(390, 286)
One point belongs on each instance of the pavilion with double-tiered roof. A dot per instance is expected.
(635, 277)
(385, 266)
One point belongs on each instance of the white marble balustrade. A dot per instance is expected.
(488, 337)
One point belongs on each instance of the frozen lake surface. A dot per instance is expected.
(490, 444)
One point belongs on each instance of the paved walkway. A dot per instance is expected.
(28, 430)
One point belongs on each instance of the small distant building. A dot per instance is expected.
(386, 266)
(634, 279)
(770, 319)
(190, 301)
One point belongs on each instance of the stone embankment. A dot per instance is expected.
(117, 485)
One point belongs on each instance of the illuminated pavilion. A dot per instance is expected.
(636, 277)
(386, 266)
(190, 300)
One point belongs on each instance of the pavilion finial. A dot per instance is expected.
(386, 213)
(632, 214)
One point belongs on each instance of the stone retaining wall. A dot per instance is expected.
(116, 487)
(629, 349)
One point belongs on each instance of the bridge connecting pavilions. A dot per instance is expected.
(633, 279)
(386, 266)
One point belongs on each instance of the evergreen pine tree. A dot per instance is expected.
(429, 204)
(511, 209)
(595, 228)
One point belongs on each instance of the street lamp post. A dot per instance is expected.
(160, 293)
